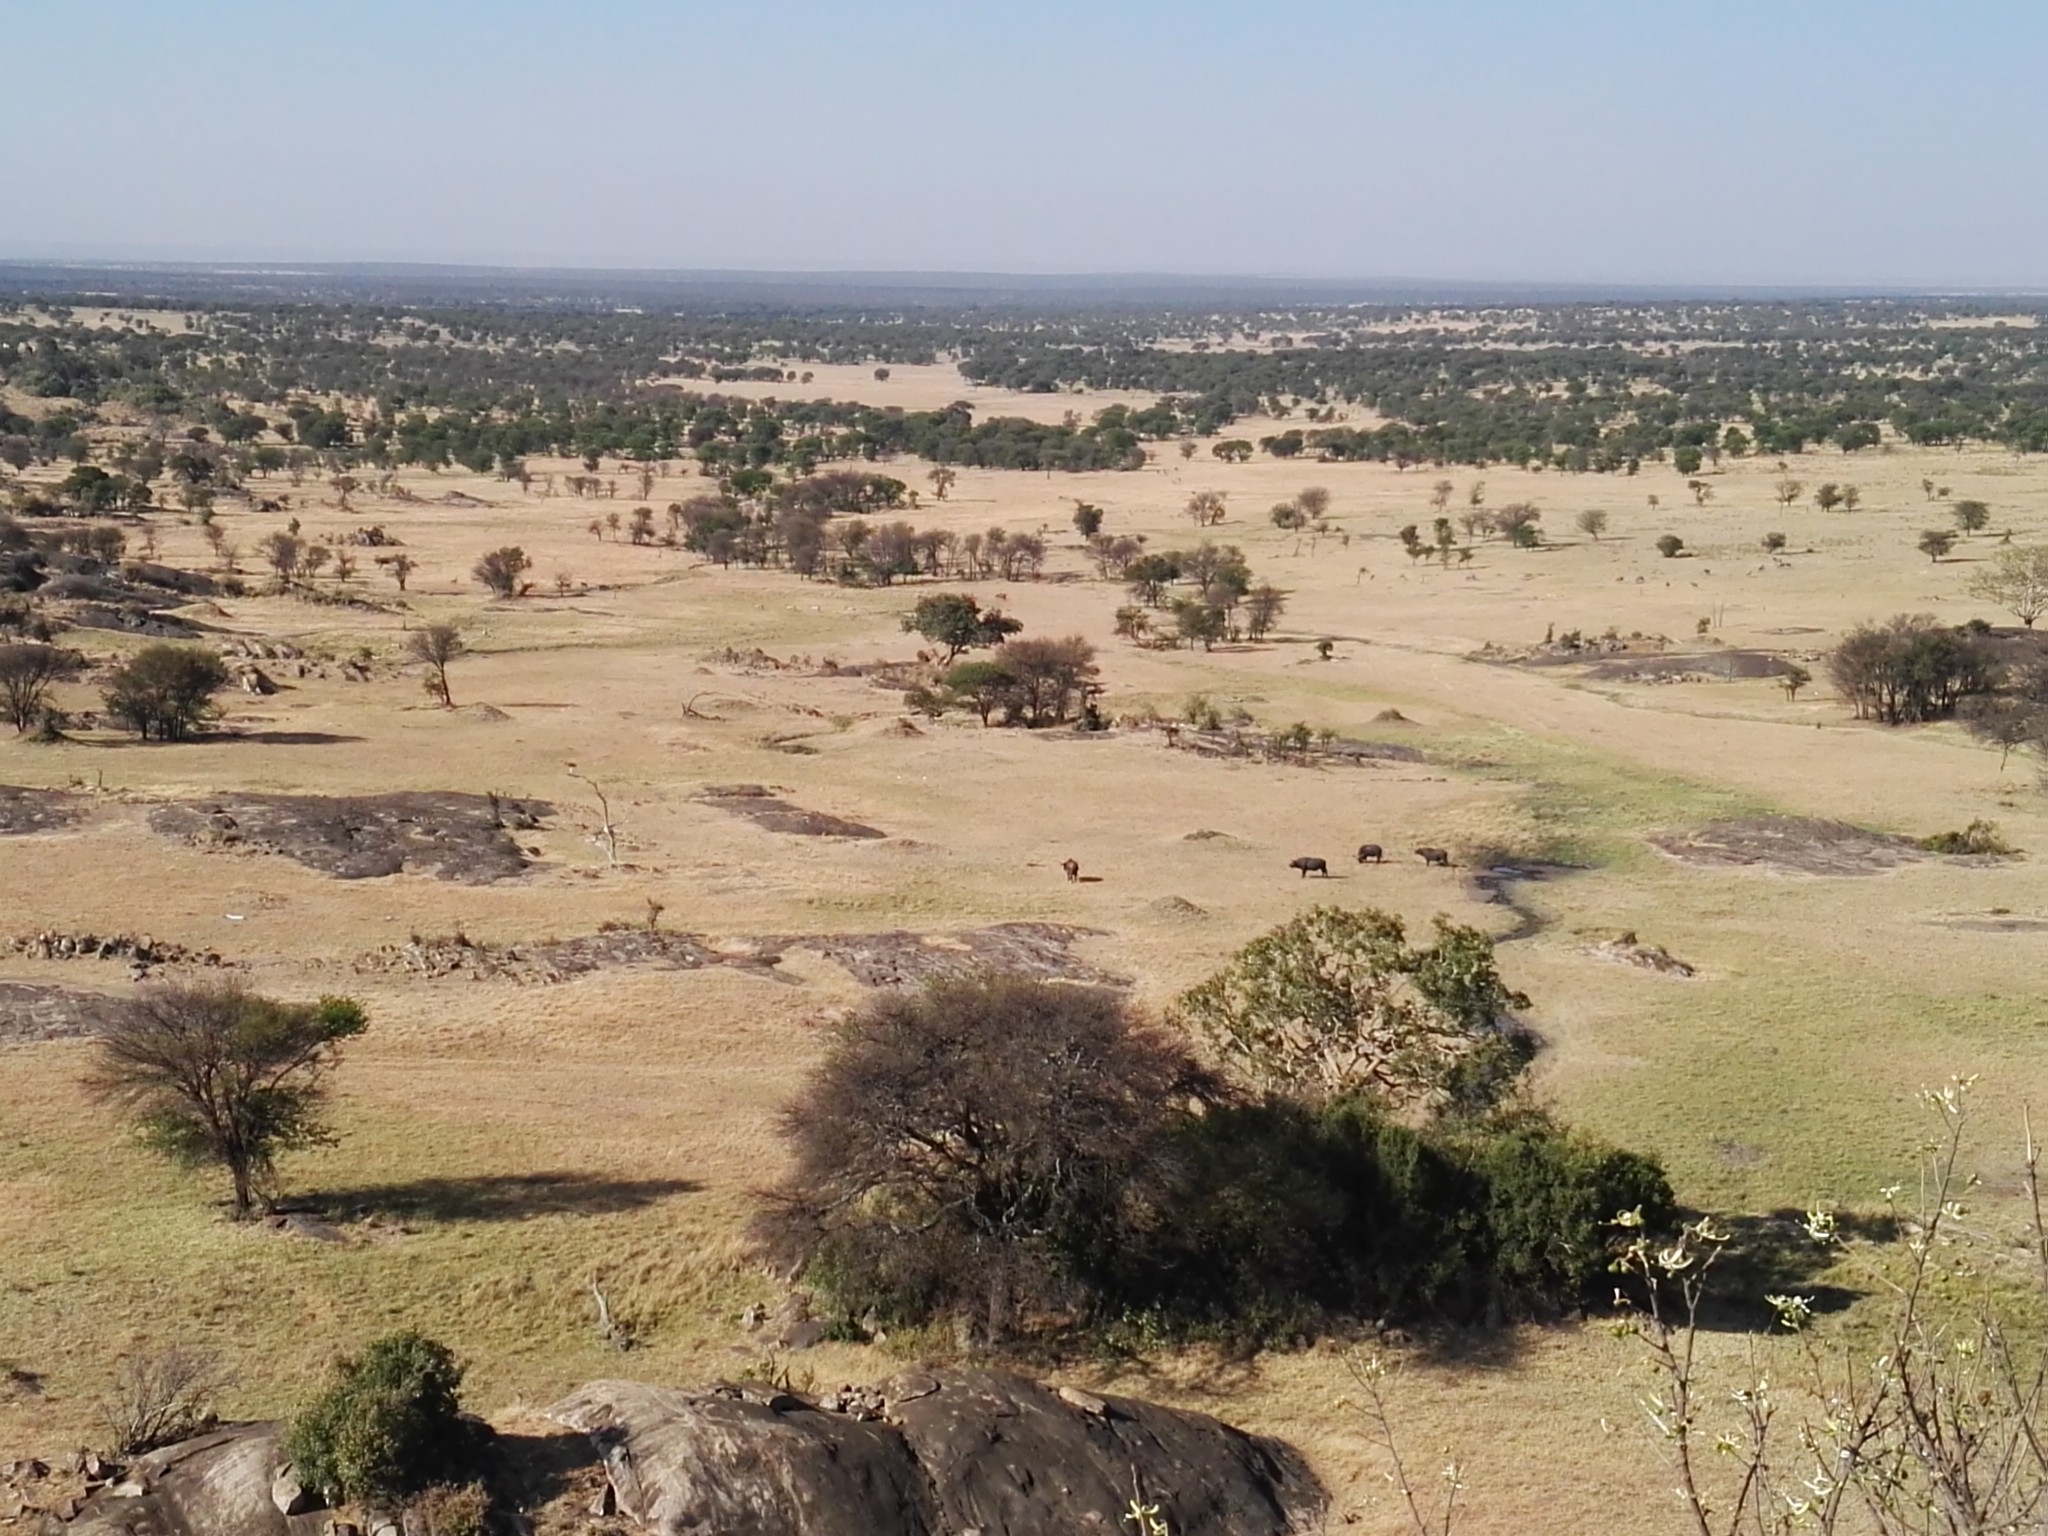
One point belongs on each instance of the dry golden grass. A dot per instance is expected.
(639, 1110)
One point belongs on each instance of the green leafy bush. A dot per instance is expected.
(1291, 1211)
(388, 1425)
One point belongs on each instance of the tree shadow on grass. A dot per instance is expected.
(1772, 1255)
(286, 738)
(496, 1197)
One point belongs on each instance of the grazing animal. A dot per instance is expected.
(1434, 856)
(1072, 867)
(1309, 867)
(1369, 853)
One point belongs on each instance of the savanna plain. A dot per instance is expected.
(1586, 726)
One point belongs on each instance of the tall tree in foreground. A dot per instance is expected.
(979, 1148)
(214, 1075)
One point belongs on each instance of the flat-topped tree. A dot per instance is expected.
(959, 623)
(2017, 581)
(215, 1075)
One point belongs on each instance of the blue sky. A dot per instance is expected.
(1799, 141)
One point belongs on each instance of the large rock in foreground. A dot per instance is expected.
(932, 1453)
(220, 1484)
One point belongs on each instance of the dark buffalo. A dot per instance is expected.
(1369, 853)
(1434, 857)
(1072, 867)
(1310, 867)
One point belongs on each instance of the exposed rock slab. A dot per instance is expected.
(37, 810)
(30, 1013)
(557, 960)
(905, 959)
(898, 958)
(457, 837)
(1791, 845)
(218, 1484)
(771, 813)
(932, 1453)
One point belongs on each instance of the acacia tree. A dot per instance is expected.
(1971, 515)
(1336, 1003)
(1910, 669)
(980, 1149)
(2017, 581)
(1263, 606)
(165, 691)
(501, 569)
(282, 552)
(436, 645)
(1205, 508)
(214, 1074)
(1592, 522)
(959, 623)
(27, 673)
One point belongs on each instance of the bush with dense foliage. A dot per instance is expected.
(1025, 1156)
(388, 1425)
(1912, 668)
(984, 1149)
(1336, 1002)
(165, 691)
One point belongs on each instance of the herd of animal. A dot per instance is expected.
(1368, 853)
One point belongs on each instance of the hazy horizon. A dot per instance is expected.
(1835, 146)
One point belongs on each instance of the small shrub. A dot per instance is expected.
(1978, 837)
(502, 569)
(388, 1426)
(158, 1400)
(451, 1509)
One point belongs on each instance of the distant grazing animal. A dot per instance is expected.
(1369, 853)
(1434, 857)
(1309, 867)
(1072, 867)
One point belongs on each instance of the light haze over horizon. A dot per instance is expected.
(1806, 142)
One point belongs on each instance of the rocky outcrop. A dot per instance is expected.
(932, 1453)
(219, 1484)
(928, 1453)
